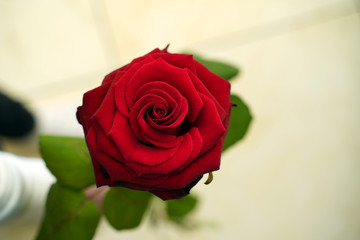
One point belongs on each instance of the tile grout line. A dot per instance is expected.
(105, 32)
(235, 39)
(278, 27)
(110, 52)
(45, 91)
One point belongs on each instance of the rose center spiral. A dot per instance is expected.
(159, 111)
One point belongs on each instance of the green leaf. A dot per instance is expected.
(124, 208)
(222, 69)
(69, 215)
(68, 159)
(178, 208)
(239, 122)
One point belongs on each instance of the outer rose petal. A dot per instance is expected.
(220, 88)
(105, 114)
(209, 162)
(114, 75)
(209, 124)
(176, 193)
(101, 177)
(178, 60)
(202, 89)
(91, 102)
(117, 171)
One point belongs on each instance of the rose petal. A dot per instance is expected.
(208, 162)
(139, 121)
(175, 193)
(160, 144)
(132, 149)
(202, 89)
(137, 118)
(178, 107)
(219, 88)
(91, 102)
(149, 88)
(114, 75)
(172, 124)
(101, 176)
(209, 124)
(178, 60)
(121, 85)
(106, 112)
(139, 59)
(159, 70)
(117, 171)
(187, 152)
(105, 145)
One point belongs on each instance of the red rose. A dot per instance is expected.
(157, 124)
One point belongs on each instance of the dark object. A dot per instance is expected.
(15, 120)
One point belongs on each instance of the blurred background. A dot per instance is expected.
(296, 175)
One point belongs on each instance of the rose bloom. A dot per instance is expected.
(157, 124)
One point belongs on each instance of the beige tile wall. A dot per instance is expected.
(296, 175)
